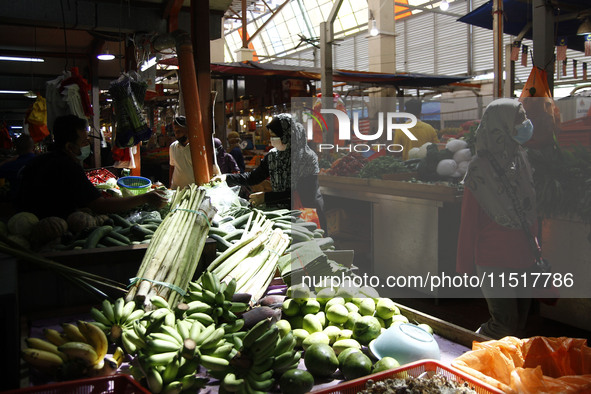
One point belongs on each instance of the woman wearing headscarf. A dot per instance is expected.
(491, 238)
(224, 160)
(235, 150)
(290, 165)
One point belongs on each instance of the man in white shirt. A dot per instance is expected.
(181, 166)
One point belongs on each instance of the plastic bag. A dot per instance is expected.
(533, 365)
(541, 109)
(224, 198)
(38, 113)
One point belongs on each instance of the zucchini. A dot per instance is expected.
(236, 234)
(287, 218)
(110, 241)
(119, 237)
(241, 220)
(325, 243)
(140, 231)
(296, 236)
(310, 226)
(226, 219)
(119, 220)
(94, 237)
(282, 225)
(276, 213)
(217, 231)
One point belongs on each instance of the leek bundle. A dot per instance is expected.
(252, 260)
(175, 249)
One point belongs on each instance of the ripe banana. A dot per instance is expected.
(42, 359)
(79, 350)
(118, 356)
(96, 337)
(73, 334)
(41, 344)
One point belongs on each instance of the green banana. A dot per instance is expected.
(161, 358)
(208, 297)
(204, 334)
(154, 380)
(286, 344)
(118, 309)
(165, 337)
(162, 346)
(198, 306)
(135, 315)
(219, 298)
(230, 289)
(203, 318)
(255, 332)
(183, 326)
(172, 332)
(231, 383)
(209, 282)
(214, 363)
(236, 325)
(170, 319)
(159, 302)
(195, 330)
(293, 363)
(128, 345)
(128, 308)
(212, 340)
(268, 339)
(238, 307)
(236, 341)
(263, 365)
(173, 387)
(108, 310)
(99, 317)
(223, 351)
(171, 371)
(285, 359)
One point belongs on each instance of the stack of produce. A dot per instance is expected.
(348, 165)
(383, 165)
(250, 254)
(175, 249)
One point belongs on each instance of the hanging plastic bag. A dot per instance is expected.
(128, 96)
(541, 109)
(38, 112)
(308, 214)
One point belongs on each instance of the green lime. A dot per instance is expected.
(320, 360)
(345, 353)
(296, 381)
(356, 365)
(385, 364)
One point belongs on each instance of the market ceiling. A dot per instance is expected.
(517, 17)
(68, 33)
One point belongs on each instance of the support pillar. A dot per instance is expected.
(543, 38)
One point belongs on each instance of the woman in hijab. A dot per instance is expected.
(225, 161)
(491, 240)
(291, 166)
(235, 150)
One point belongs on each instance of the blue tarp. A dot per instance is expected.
(516, 14)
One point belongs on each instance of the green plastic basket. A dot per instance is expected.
(134, 185)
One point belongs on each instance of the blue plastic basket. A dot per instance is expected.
(134, 185)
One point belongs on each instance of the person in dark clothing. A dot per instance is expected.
(55, 184)
(225, 161)
(9, 169)
(291, 166)
(236, 151)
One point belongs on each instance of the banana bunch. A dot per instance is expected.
(80, 350)
(173, 353)
(209, 300)
(262, 354)
(116, 319)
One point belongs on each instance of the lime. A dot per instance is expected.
(351, 319)
(345, 334)
(345, 353)
(337, 313)
(335, 300)
(296, 381)
(321, 318)
(340, 345)
(386, 308)
(284, 327)
(367, 307)
(315, 338)
(325, 295)
(311, 306)
(351, 307)
(320, 360)
(311, 323)
(385, 364)
(300, 334)
(366, 329)
(426, 327)
(399, 319)
(300, 292)
(333, 333)
(290, 307)
(356, 365)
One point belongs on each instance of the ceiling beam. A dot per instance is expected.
(273, 13)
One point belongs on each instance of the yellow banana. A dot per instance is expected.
(73, 334)
(96, 338)
(54, 336)
(42, 359)
(118, 356)
(41, 344)
(79, 350)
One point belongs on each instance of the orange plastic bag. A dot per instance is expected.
(533, 365)
(308, 214)
(541, 109)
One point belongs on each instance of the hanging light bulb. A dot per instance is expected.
(374, 28)
(584, 28)
(105, 56)
(444, 5)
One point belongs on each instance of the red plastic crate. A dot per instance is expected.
(570, 138)
(112, 384)
(415, 369)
